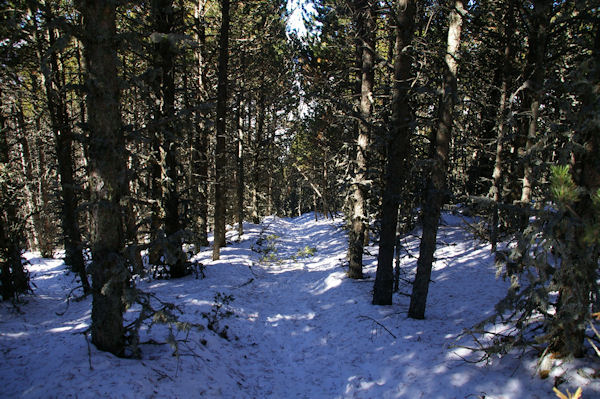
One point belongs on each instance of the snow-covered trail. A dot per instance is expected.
(320, 337)
(296, 312)
(300, 328)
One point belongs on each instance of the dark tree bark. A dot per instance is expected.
(108, 174)
(325, 185)
(63, 142)
(163, 16)
(14, 280)
(398, 149)
(365, 28)
(47, 234)
(156, 209)
(199, 159)
(221, 131)
(577, 276)
(256, 167)
(436, 186)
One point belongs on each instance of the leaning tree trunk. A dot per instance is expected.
(108, 175)
(365, 27)
(221, 127)
(436, 186)
(399, 141)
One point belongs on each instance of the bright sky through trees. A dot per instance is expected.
(299, 10)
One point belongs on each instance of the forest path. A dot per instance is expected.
(295, 307)
(311, 332)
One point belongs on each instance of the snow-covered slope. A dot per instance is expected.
(299, 329)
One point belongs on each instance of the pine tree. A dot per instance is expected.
(53, 77)
(14, 279)
(108, 174)
(221, 132)
(401, 125)
(365, 28)
(440, 147)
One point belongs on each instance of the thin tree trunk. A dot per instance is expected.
(156, 208)
(325, 189)
(221, 131)
(47, 233)
(436, 186)
(365, 26)
(398, 149)
(239, 161)
(260, 126)
(200, 153)
(299, 209)
(503, 111)
(108, 175)
(28, 165)
(534, 72)
(270, 161)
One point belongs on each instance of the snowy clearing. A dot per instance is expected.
(299, 329)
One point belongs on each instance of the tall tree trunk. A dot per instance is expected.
(155, 193)
(503, 126)
(436, 186)
(269, 193)
(63, 143)
(365, 27)
(221, 130)
(398, 149)
(47, 233)
(13, 278)
(239, 161)
(270, 162)
(299, 208)
(325, 188)
(534, 73)
(164, 89)
(29, 166)
(258, 143)
(108, 174)
(200, 152)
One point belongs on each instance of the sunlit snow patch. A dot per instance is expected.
(332, 281)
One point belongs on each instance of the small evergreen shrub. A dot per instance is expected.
(553, 273)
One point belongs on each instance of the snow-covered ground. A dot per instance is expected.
(299, 329)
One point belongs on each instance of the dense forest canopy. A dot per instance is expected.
(138, 129)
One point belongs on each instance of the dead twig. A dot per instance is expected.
(363, 317)
(85, 333)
